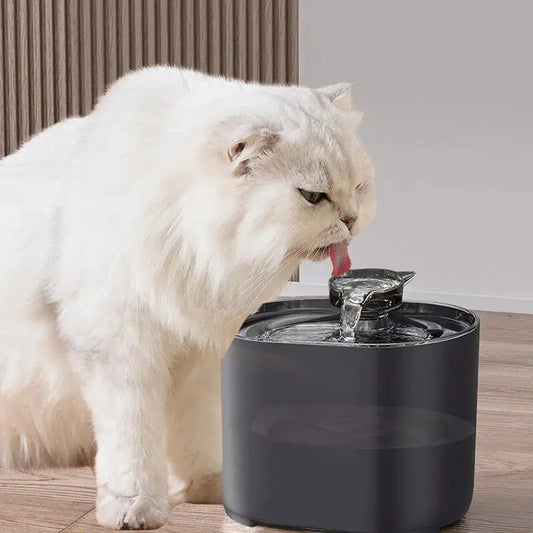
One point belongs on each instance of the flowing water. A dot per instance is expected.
(354, 293)
(397, 327)
(400, 330)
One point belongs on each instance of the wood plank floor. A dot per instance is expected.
(53, 501)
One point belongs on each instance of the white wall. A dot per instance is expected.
(447, 91)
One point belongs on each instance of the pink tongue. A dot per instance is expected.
(340, 259)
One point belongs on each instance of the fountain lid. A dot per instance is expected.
(315, 321)
(371, 313)
(385, 295)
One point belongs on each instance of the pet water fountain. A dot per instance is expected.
(354, 414)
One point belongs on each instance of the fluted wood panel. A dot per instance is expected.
(57, 56)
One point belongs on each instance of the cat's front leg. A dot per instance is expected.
(126, 402)
(194, 429)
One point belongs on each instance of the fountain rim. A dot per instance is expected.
(346, 345)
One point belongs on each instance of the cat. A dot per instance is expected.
(133, 243)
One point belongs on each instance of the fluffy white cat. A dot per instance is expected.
(133, 243)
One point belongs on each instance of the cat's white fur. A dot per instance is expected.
(133, 242)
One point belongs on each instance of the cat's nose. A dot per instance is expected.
(349, 222)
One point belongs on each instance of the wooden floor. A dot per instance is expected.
(63, 500)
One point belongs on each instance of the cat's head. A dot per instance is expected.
(301, 184)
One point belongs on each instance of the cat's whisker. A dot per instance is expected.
(261, 275)
(249, 303)
(283, 265)
(265, 278)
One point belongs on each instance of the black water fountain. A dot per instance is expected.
(354, 414)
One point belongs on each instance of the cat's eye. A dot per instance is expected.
(313, 197)
(360, 186)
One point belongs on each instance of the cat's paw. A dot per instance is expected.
(177, 490)
(131, 512)
(206, 488)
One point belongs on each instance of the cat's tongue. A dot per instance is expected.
(340, 259)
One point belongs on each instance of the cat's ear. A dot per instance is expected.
(340, 95)
(243, 151)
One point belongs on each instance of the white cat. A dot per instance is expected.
(133, 243)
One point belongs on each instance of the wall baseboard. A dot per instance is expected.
(470, 301)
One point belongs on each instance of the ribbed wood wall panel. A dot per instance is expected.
(57, 56)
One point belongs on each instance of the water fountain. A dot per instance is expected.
(354, 414)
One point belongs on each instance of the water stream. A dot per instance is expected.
(355, 292)
(353, 326)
